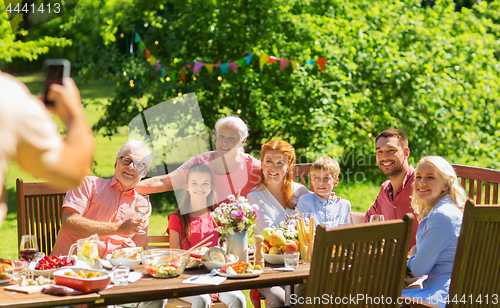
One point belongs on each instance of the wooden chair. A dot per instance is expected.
(39, 212)
(474, 179)
(476, 267)
(367, 259)
(301, 173)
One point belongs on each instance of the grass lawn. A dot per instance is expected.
(94, 96)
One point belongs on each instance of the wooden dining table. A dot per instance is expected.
(148, 288)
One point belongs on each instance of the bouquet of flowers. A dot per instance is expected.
(236, 216)
(289, 227)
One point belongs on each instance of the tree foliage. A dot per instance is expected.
(433, 72)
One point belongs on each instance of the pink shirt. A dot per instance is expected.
(243, 179)
(396, 205)
(101, 200)
(201, 227)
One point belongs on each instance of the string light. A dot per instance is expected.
(167, 79)
(369, 135)
(194, 78)
(179, 94)
(131, 83)
(219, 78)
(239, 111)
(156, 42)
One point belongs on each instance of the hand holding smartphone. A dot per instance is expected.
(55, 71)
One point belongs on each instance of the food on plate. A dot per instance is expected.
(165, 269)
(3, 276)
(217, 254)
(133, 253)
(48, 263)
(82, 274)
(5, 265)
(237, 268)
(195, 256)
(166, 263)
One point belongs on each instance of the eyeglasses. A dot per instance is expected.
(139, 165)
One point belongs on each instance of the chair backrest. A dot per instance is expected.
(39, 212)
(301, 173)
(364, 259)
(157, 241)
(476, 268)
(481, 182)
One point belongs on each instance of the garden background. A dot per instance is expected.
(327, 76)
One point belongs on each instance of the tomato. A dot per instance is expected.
(151, 270)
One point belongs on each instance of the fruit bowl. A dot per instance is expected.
(50, 271)
(165, 263)
(85, 285)
(275, 258)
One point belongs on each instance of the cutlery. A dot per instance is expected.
(212, 273)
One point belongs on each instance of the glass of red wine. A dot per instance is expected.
(28, 248)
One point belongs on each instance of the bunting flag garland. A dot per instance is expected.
(248, 59)
(263, 59)
(197, 66)
(209, 67)
(321, 63)
(224, 67)
(283, 64)
(241, 62)
(272, 59)
(234, 66)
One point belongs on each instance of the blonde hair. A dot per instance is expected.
(285, 148)
(455, 191)
(325, 163)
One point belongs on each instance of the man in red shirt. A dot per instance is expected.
(394, 198)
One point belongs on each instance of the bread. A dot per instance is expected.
(217, 256)
(133, 253)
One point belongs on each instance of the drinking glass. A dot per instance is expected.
(376, 218)
(28, 248)
(291, 260)
(142, 208)
(120, 276)
(18, 267)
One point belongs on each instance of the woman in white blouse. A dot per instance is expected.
(277, 195)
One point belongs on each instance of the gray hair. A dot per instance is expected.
(236, 122)
(135, 145)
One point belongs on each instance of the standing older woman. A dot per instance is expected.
(234, 171)
(276, 196)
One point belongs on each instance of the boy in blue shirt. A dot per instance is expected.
(323, 204)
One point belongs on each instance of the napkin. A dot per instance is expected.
(204, 279)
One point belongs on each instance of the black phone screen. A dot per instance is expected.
(54, 74)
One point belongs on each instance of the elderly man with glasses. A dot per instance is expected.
(107, 206)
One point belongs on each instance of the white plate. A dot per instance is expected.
(274, 259)
(256, 273)
(215, 265)
(123, 262)
(4, 281)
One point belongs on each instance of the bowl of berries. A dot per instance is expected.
(47, 265)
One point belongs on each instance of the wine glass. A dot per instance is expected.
(28, 248)
(377, 217)
(142, 208)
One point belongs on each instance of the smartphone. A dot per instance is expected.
(55, 71)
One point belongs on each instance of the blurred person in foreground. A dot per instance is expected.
(394, 198)
(30, 136)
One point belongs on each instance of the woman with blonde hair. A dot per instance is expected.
(277, 195)
(438, 199)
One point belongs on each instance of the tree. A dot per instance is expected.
(432, 72)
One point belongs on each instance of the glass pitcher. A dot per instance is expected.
(86, 250)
